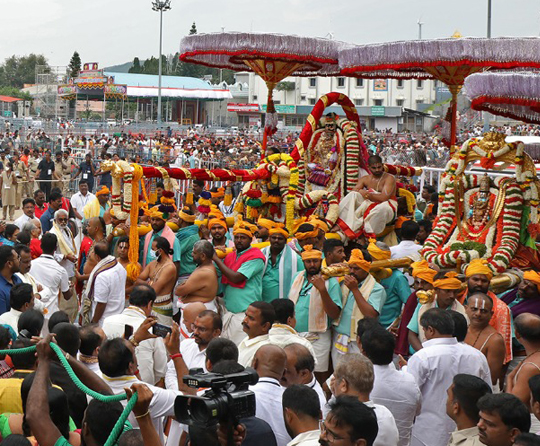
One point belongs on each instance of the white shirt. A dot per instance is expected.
(162, 404)
(310, 438)
(314, 384)
(110, 289)
(388, 433)
(283, 335)
(151, 354)
(399, 393)
(192, 356)
(434, 368)
(21, 221)
(48, 272)
(79, 201)
(268, 396)
(404, 249)
(248, 348)
(11, 318)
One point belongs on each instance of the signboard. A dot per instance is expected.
(380, 85)
(67, 90)
(281, 108)
(377, 111)
(231, 107)
(115, 90)
(7, 113)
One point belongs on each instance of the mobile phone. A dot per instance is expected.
(25, 334)
(161, 330)
(128, 331)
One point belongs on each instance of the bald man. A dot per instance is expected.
(189, 314)
(527, 328)
(269, 362)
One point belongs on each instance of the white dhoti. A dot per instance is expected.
(321, 342)
(162, 309)
(232, 327)
(358, 215)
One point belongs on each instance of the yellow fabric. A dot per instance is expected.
(155, 213)
(479, 266)
(378, 253)
(187, 217)
(62, 245)
(103, 191)
(92, 209)
(241, 227)
(266, 223)
(220, 193)
(532, 276)
(279, 230)
(318, 223)
(310, 253)
(217, 221)
(357, 258)
(423, 271)
(450, 282)
(305, 235)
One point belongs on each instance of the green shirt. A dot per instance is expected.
(397, 292)
(62, 442)
(302, 305)
(376, 299)
(176, 248)
(187, 265)
(270, 280)
(238, 299)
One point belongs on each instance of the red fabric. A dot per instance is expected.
(402, 342)
(86, 244)
(65, 204)
(35, 248)
(484, 103)
(39, 212)
(235, 263)
(209, 175)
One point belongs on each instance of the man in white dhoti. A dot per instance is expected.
(371, 205)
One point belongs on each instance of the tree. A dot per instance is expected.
(193, 29)
(74, 66)
(19, 70)
(15, 93)
(136, 68)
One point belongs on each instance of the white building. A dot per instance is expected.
(381, 104)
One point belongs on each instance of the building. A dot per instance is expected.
(381, 103)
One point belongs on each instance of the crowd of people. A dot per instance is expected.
(345, 353)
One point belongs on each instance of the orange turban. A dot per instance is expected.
(305, 235)
(186, 217)
(217, 221)
(450, 282)
(279, 230)
(220, 193)
(155, 213)
(479, 266)
(318, 223)
(242, 227)
(378, 253)
(532, 276)
(423, 271)
(310, 253)
(357, 258)
(103, 191)
(266, 223)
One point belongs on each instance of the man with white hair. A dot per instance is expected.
(65, 255)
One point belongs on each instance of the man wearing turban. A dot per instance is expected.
(447, 288)
(317, 303)
(242, 279)
(362, 297)
(393, 281)
(159, 229)
(282, 264)
(263, 227)
(525, 298)
(99, 205)
(479, 276)
(305, 234)
(187, 235)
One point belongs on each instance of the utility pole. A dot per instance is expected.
(420, 23)
(160, 5)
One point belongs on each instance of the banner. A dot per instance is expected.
(231, 107)
(380, 85)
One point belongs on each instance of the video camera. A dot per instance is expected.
(228, 398)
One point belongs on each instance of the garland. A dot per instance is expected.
(314, 197)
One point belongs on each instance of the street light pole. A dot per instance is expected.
(160, 5)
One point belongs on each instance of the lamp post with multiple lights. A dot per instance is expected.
(161, 6)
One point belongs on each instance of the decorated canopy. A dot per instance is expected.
(447, 60)
(514, 95)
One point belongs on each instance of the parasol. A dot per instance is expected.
(272, 56)
(447, 60)
(514, 95)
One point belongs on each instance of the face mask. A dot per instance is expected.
(155, 253)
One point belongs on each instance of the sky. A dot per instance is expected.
(112, 32)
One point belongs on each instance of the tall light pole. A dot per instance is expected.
(160, 5)
(420, 23)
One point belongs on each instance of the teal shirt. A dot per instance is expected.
(397, 292)
(176, 248)
(62, 442)
(102, 210)
(238, 299)
(187, 237)
(376, 299)
(270, 280)
(302, 305)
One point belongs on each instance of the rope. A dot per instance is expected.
(119, 427)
